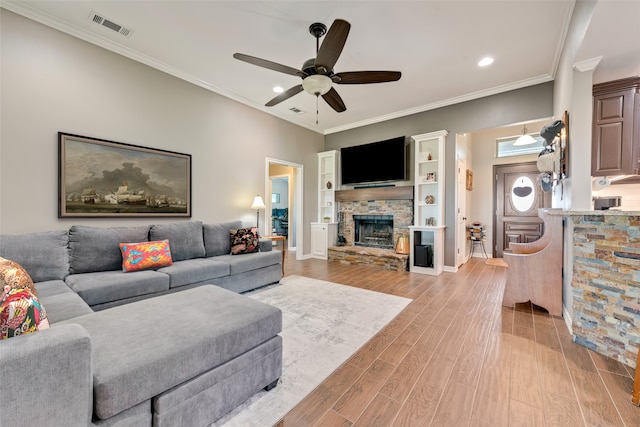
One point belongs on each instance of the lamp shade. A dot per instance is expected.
(525, 139)
(258, 203)
(317, 84)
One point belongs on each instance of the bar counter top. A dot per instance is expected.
(609, 212)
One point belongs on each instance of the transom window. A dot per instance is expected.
(505, 147)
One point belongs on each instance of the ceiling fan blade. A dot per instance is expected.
(284, 95)
(363, 77)
(332, 46)
(270, 65)
(334, 100)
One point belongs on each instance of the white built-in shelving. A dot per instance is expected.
(324, 232)
(426, 236)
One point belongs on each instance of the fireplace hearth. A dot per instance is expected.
(374, 231)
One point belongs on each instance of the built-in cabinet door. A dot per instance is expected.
(612, 134)
(615, 148)
(319, 240)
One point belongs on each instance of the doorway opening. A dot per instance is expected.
(517, 200)
(284, 190)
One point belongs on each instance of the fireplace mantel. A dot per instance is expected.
(376, 193)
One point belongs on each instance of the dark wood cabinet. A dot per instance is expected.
(616, 128)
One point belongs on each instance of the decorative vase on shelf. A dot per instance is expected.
(329, 185)
(429, 200)
(429, 157)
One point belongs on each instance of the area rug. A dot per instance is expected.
(324, 323)
(497, 262)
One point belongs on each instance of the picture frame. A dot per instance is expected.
(469, 180)
(430, 177)
(102, 178)
(275, 197)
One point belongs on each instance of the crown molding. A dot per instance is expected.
(587, 64)
(555, 63)
(445, 103)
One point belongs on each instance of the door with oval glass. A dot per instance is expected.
(518, 196)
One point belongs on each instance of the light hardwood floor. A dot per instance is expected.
(456, 357)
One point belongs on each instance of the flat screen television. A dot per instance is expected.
(380, 161)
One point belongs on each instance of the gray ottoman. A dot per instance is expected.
(197, 354)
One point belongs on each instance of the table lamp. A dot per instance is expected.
(257, 205)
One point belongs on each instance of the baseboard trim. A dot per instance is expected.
(450, 269)
(567, 318)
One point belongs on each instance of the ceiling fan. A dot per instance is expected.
(317, 73)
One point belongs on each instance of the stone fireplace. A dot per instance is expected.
(369, 224)
(375, 231)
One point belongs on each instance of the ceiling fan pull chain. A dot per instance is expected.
(317, 108)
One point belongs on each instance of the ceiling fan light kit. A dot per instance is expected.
(317, 73)
(317, 84)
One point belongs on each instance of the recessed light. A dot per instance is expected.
(278, 89)
(487, 60)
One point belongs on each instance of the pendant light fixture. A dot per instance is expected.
(524, 139)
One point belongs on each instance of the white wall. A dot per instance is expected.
(54, 82)
(575, 97)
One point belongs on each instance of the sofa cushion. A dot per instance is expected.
(244, 240)
(176, 338)
(195, 271)
(52, 287)
(216, 237)
(185, 238)
(44, 254)
(145, 255)
(64, 306)
(240, 264)
(98, 249)
(107, 286)
(20, 313)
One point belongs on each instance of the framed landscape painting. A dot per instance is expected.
(100, 178)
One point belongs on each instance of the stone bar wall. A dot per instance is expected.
(606, 284)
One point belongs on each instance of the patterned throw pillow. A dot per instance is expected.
(20, 310)
(13, 275)
(20, 313)
(244, 240)
(145, 255)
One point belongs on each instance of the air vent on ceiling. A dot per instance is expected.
(297, 110)
(101, 20)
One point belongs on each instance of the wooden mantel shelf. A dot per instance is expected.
(376, 193)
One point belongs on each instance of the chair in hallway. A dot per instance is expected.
(535, 269)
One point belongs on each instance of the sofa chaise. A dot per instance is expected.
(172, 346)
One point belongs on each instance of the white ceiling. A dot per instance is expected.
(435, 44)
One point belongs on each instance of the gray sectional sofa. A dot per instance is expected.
(174, 346)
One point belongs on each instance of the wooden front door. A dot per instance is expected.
(518, 196)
